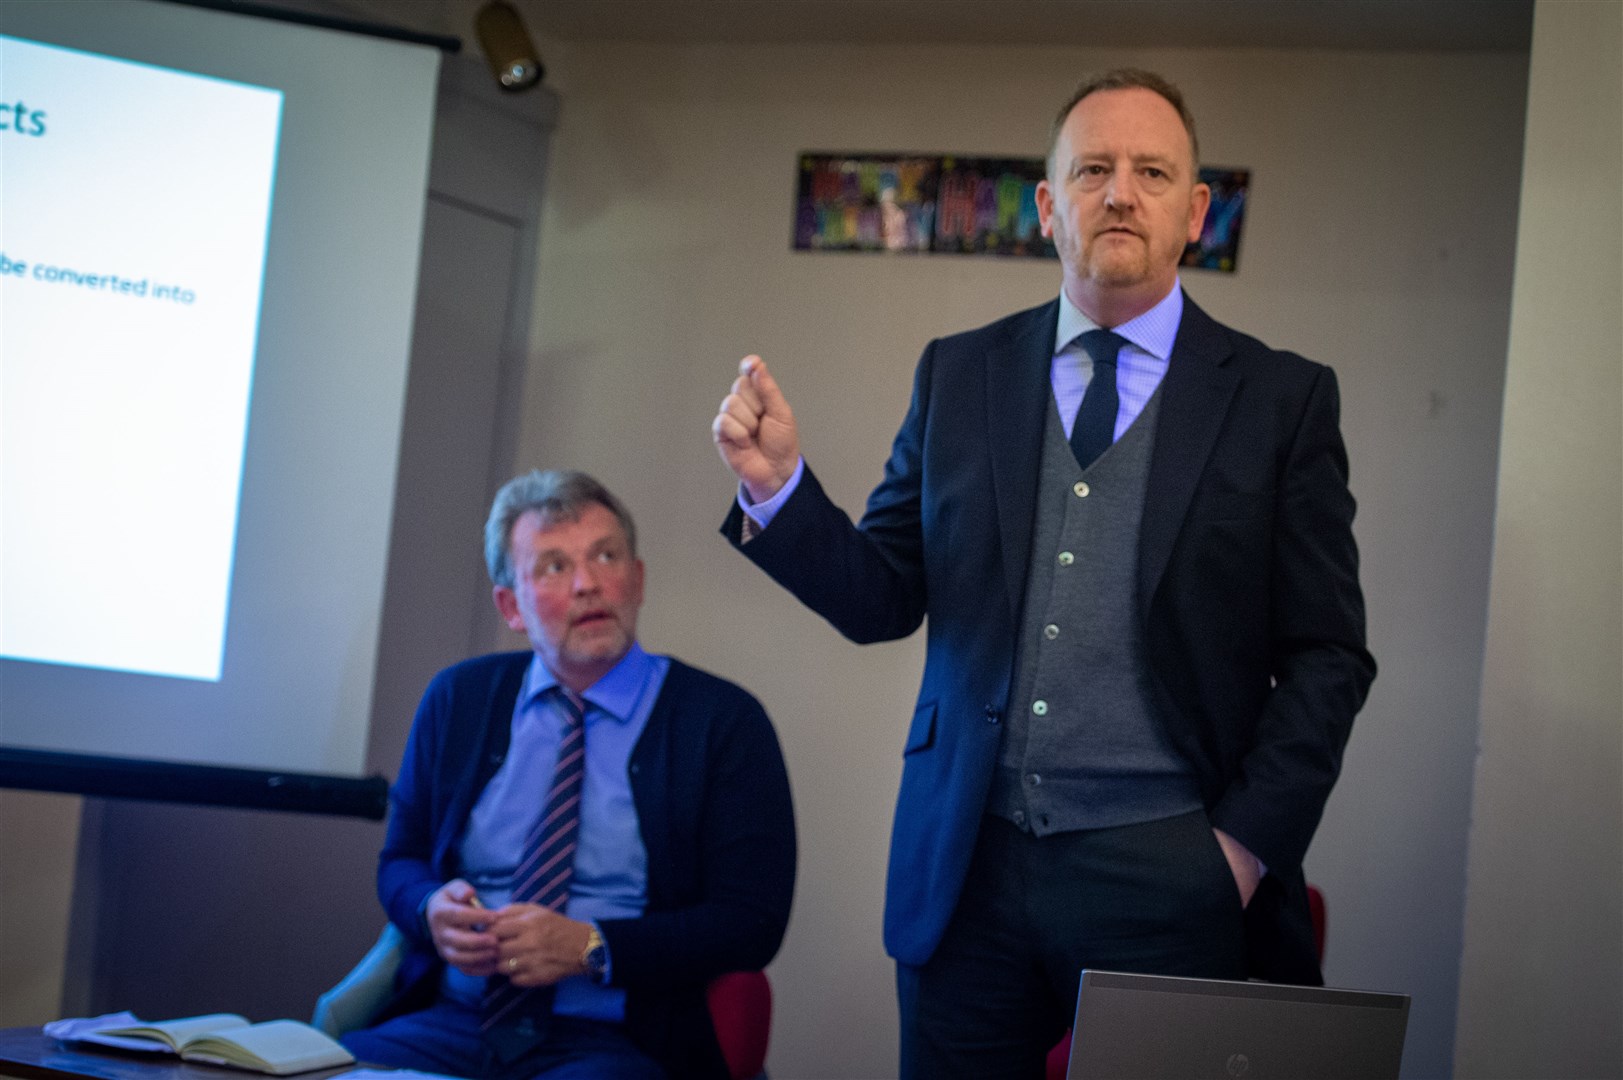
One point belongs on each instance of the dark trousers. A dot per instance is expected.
(445, 1038)
(1155, 898)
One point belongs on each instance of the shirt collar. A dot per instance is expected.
(1152, 332)
(616, 693)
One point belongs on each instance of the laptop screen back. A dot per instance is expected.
(1156, 1027)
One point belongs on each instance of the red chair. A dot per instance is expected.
(1060, 1056)
(741, 1011)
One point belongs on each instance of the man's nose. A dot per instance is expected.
(585, 577)
(1120, 190)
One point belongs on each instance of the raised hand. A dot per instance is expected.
(755, 431)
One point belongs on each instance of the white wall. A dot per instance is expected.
(1379, 240)
(1542, 978)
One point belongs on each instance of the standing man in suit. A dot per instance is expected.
(1131, 532)
(583, 834)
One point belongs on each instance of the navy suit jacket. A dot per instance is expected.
(1247, 589)
(712, 799)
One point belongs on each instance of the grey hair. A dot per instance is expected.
(1127, 79)
(558, 495)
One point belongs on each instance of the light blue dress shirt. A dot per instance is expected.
(611, 864)
(1140, 365)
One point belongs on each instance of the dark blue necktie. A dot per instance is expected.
(1095, 427)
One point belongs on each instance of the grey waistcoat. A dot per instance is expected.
(1083, 747)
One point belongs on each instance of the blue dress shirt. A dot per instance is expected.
(611, 864)
(1140, 365)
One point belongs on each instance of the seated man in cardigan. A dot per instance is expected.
(582, 834)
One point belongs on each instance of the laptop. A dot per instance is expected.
(1155, 1027)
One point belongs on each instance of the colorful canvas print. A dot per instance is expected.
(957, 205)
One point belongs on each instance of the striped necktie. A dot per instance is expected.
(543, 877)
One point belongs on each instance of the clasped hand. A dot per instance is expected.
(530, 944)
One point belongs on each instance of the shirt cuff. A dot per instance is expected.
(762, 513)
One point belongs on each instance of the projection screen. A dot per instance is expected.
(209, 234)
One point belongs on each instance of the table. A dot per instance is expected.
(27, 1054)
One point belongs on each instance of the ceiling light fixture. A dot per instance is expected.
(508, 49)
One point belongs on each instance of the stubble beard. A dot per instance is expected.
(1111, 265)
(1116, 264)
(603, 641)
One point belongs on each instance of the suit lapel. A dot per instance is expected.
(1018, 389)
(1195, 396)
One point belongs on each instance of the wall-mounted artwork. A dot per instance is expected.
(1219, 245)
(919, 203)
(956, 205)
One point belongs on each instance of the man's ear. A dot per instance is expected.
(1045, 206)
(507, 604)
(1200, 200)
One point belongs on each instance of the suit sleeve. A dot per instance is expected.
(1320, 667)
(866, 579)
(745, 867)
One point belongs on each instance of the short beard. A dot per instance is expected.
(1117, 272)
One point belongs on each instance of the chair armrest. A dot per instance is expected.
(362, 994)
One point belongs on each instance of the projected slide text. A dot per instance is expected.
(132, 255)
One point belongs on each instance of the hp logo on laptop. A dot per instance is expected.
(1238, 1065)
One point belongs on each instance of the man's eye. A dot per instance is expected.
(552, 567)
(1154, 174)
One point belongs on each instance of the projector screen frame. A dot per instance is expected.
(445, 43)
(198, 785)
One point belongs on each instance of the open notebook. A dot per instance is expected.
(277, 1047)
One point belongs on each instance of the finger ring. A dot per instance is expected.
(512, 963)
